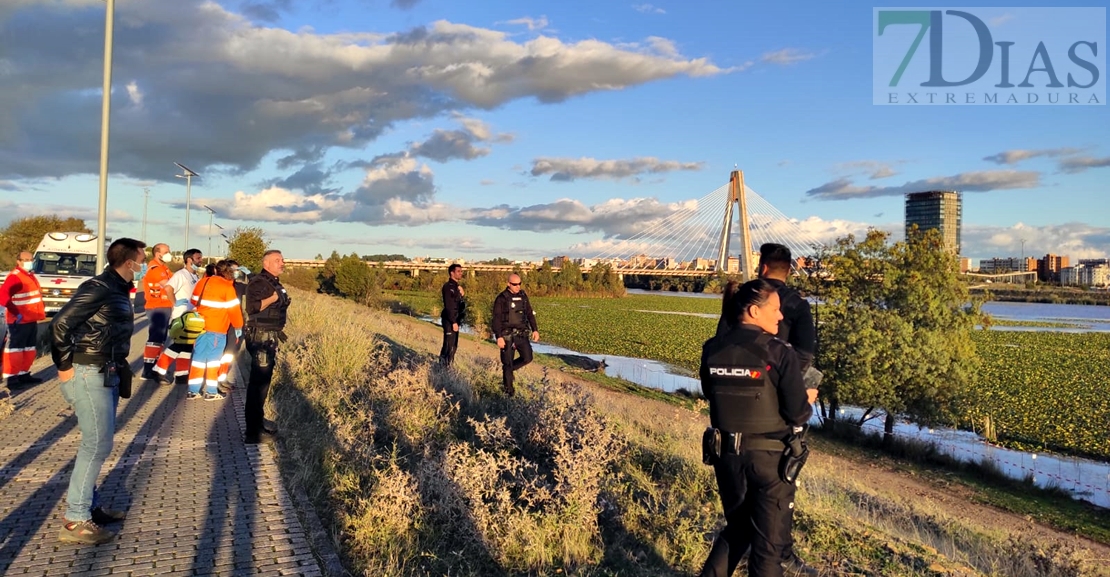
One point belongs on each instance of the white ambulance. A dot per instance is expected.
(64, 260)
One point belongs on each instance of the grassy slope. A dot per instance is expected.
(424, 471)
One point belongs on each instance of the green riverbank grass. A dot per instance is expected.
(1040, 390)
(418, 470)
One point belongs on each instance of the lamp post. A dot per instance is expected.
(221, 234)
(188, 176)
(211, 213)
(146, 201)
(105, 114)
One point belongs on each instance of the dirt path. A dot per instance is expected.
(956, 500)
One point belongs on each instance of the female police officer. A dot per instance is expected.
(756, 402)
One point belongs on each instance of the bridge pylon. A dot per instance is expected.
(737, 198)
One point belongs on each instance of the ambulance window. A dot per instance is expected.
(46, 263)
(86, 264)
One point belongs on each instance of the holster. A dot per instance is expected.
(794, 457)
(711, 446)
(122, 370)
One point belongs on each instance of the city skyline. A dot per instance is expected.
(501, 130)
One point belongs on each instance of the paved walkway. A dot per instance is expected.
(198, 500)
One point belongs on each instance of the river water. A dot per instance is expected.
(1084, 478)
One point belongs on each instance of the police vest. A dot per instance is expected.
(514, 311)
(272, 317)
(742, 398)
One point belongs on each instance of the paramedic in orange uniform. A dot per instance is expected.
(159, 305)
(216, 300)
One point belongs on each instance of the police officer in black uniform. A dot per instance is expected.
(797, 329)
(512, 319)
(453, 308)
(757, 407)
(796, 326)
(267, 306)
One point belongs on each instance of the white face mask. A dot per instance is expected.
(168, 257)
(27, 266)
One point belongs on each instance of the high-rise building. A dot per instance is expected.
(936, 209)
(1049, 267)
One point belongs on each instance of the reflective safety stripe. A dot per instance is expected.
(219, 304)
(151, 352)
(28, 294)
(24, 302)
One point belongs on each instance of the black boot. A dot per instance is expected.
(793, 566)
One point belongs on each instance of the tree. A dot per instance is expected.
(26, 234)
(895, 327)
(354, 280)
(247, 245)
(569, 277)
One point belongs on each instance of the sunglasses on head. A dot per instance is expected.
(514, 284)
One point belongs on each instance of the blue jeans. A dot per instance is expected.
(204, 370)
(95, 406)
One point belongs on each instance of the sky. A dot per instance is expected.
(521, 129)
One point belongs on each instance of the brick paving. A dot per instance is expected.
(199, 501)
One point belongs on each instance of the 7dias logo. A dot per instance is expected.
(989, 56)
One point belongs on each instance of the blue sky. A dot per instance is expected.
(483, 129)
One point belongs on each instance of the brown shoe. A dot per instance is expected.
(84, 533)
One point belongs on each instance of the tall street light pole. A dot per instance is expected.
(221, 234)
(188, 176)
(105, 114)
(146, 201)
(211, 213)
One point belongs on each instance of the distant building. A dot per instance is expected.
(965, 264)
(1094, 261)
(702, 264)
(1003, 265)
(936, 209)
(1098, 275)
(1049, 267)
(1069, 275)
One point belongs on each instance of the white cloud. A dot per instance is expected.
(567, 169)
(1082, 163)
(10, 211)
(614, 217)
(1017, 155)
(979, 181)
(648, 9)
(876, 169)
(231, 91)
(445, 145)
(134, 93)
(1074, 239)
(787, 56)
(532, 24)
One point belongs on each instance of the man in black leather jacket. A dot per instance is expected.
(90, 346)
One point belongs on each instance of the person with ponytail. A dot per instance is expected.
(758, 406)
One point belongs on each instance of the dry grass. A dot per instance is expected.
(420, 470)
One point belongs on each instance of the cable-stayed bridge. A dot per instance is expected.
(721, 231)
